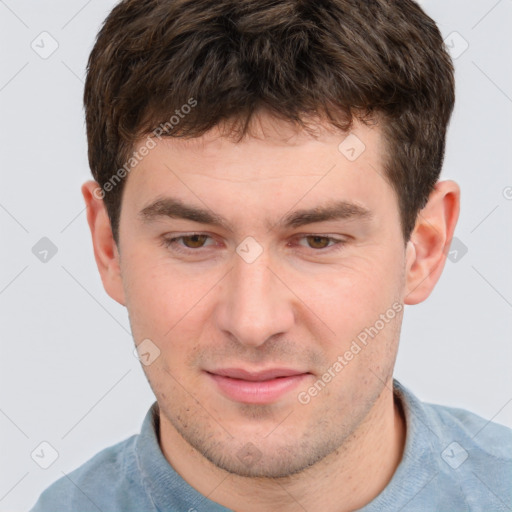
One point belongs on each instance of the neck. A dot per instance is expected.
(348, 479)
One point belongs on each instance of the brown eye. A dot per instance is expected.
(318, 242)
(321, 244)
(196, 241)
(188, 244)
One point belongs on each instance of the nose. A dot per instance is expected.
(255, 303)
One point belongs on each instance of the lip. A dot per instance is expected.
(259, 387)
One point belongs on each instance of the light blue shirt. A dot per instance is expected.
(453, 461)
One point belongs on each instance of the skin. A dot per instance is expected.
(299, 305)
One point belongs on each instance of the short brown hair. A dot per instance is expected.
(375, 60)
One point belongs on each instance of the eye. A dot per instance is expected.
(191, 242)
(321, 242)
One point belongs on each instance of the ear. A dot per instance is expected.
(430, 241)
(105, 249)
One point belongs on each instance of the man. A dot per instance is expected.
(266, 200)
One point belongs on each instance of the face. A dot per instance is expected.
(273, 313)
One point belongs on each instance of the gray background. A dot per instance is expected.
(68, 375)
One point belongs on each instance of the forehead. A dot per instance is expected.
(275, 167)
(279, 140)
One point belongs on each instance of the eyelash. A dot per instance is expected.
(172, 243)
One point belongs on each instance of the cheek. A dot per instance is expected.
(351, 295)
(163, 299)
(351, 301)
(150, 293)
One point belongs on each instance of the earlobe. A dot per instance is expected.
(427, 250)
(106, 251)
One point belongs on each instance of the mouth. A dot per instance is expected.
(256, 387)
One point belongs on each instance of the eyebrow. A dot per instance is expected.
(177, 209)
